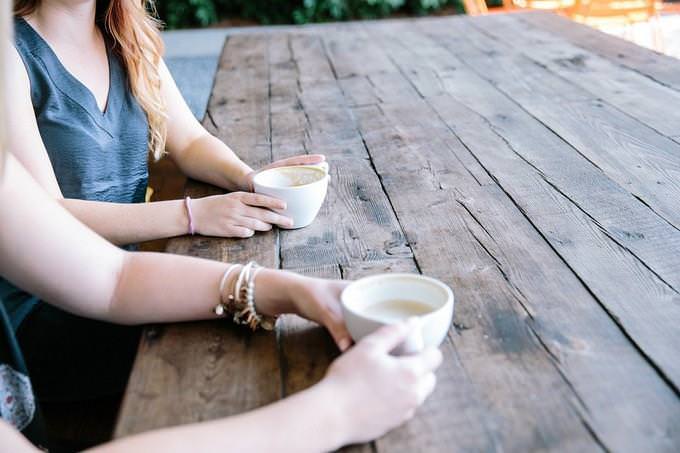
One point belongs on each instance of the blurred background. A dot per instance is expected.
(201, 13)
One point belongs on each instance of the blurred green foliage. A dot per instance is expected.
(192, 13)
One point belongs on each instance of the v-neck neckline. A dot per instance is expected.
(93, 106)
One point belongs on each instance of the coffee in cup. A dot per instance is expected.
(302, 187)
(378, 300)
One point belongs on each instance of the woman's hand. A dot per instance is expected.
(379, 391)
(319, 300)
(237, 214)
(306, 159)
(279, 292)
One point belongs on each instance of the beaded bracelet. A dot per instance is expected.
(240, 302)
(220, 309)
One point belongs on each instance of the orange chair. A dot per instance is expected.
(552, 5)
(598, 12)
(478, 7)
(606, 13)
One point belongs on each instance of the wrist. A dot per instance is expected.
(275, 292)
(239, 177)
(334, 419)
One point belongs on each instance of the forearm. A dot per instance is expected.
(130, 223)
(156, 287)
(210, 160)
(309, 421)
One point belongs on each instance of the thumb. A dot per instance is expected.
(339, 332)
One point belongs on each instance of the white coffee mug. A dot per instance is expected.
(302, 187)
(364, 303)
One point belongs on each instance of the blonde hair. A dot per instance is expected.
(134, 34)
(4, 42)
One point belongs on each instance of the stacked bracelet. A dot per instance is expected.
(239, 302)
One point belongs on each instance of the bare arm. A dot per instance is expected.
(309, 421)
(49, 253)
(197, 153)
(366, 392)
(232, 215)
(203, 156)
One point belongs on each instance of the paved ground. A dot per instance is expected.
(192, 58)
(192, 54)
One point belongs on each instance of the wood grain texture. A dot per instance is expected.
(180, 372)
(633, 93)
(637, 157)
(657, 66)
(548, 158)
(508, 172)
(410, 155)
(608, 431)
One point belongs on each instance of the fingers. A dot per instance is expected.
(254, 224)
(239, 232)
(305, 159)
(423, 363)
(267, 216)
(263, 201)
(388, 337)
(426, 387)
(338, 330)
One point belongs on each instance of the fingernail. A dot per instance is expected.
(344, 344)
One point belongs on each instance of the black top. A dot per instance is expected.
(18, 405)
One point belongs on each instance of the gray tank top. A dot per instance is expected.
(95, 155)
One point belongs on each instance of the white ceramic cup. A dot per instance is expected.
(433, 325)
(302, 187)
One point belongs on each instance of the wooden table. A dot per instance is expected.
(531, 163)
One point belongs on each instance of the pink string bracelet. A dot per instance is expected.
(187, 204)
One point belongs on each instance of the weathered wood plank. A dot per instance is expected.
(356, 222)
(637, 95)
(502, 125)
(553, 282)
(609, 206)
(494, 406)
(180, 370)
(427, 218)
(556, 318)
(169, 386)
(356, 231)
(659, 67)
(581, 375)
(627, 221)
(637, 157)
(350, 57)
(623, 216)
